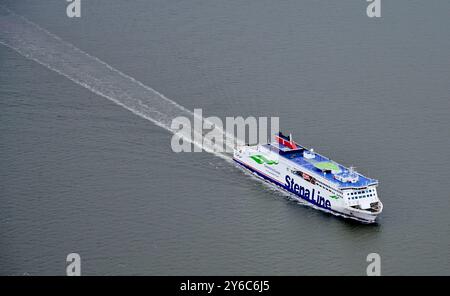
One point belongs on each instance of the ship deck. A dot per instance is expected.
(296, 156)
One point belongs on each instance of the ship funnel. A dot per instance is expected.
(286, 141)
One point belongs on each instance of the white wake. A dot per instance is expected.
(47, 49)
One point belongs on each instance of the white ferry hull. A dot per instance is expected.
(278, 172)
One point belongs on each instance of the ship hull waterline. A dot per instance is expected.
(293, 194)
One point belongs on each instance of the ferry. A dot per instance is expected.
(312, 178)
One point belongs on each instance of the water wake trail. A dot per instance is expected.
(47, 49)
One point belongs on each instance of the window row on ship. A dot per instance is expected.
(327, 188)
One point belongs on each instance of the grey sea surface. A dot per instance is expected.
(81, 174)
